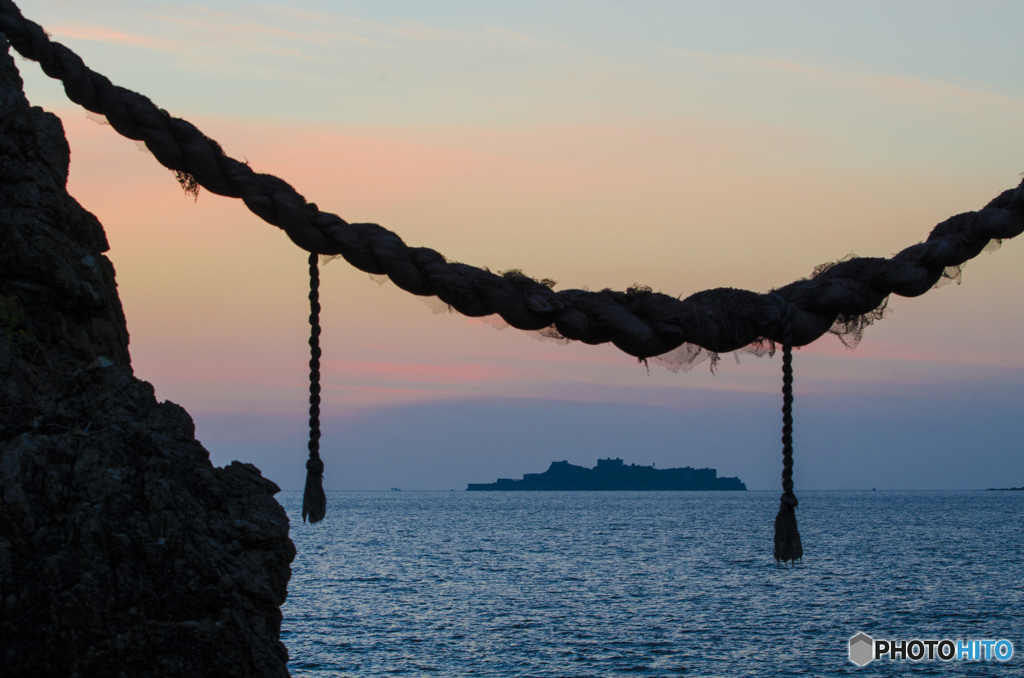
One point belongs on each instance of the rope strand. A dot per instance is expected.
(314, 501)
(788, 547)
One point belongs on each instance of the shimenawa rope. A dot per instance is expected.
(787, 537)
(638, 321)
(314, 501)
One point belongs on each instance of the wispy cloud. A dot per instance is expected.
(325, 28)
(855, 78)
(898, 352)
(110, 36)
(212, 28)
(463, 373)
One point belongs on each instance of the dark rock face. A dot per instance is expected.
(123, 551)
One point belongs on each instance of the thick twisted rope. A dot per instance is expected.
(787, 537)
(640, 322)
(314, 501)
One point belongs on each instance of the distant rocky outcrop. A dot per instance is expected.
(613, 475)
(123, 551)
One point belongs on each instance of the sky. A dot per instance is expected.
(681, 145)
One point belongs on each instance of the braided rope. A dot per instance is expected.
(640, 322)
(314, 501)
(787, 537)
(787, 401)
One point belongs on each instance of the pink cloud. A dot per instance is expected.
(464, 373)
(243, 26)
(401, 394)
(106, 35)
(248, 28)
(871, 349)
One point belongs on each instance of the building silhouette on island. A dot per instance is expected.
(612, 474)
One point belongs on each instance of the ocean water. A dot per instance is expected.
(647, 583)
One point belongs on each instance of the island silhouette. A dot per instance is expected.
(613, 474)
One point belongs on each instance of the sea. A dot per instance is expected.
(648, 583)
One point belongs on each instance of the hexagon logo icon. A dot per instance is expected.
(862, 649)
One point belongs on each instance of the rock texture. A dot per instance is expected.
(123, 551)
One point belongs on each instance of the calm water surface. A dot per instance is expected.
(647, 583)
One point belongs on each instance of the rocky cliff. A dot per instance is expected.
(123, 551)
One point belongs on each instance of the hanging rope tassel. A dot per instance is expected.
(787, 538)
(314, 501)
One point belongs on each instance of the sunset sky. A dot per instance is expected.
(681, 145)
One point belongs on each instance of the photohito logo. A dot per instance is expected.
(864, 649)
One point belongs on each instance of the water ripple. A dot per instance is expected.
(645, 583)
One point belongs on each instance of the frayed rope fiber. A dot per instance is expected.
(314, 501)
(787, 537)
